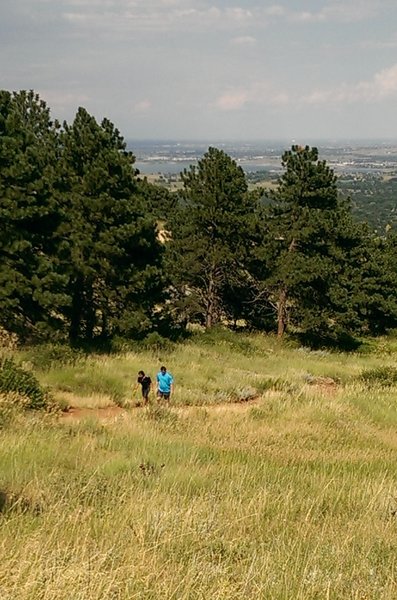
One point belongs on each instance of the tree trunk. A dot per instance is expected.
(211, 309)
(90, 320)
(282, 301)
(104, 324)
(77, 309)
(282, 312)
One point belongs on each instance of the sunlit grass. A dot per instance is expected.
(293, 496)
(222, 368)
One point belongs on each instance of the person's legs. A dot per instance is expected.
(163, 396)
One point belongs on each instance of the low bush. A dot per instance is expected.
(230, 340)
(264, 385)
(11, 404)
(154, 342)
(8, 340)
(47, 356)
(385, 376)
(244, 394)
(16, 380)
(11, 501)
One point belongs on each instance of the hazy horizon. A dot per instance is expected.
(310, 140)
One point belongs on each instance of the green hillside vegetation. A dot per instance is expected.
(92, 253)
(374, 199)
(272, 475)
(211, 368)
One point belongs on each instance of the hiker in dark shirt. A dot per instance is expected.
(146, 384)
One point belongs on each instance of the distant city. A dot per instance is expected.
(172, 157)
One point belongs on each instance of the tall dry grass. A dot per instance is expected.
(293, 496)
(209, 369)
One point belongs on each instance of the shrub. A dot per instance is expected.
(120, 345)
(13, 378)
(264, 385)
(11, 404)
(11, 501)
(156, 343)
(386, 376)
(224, 338)
(48, 355)
(244, 394)
(8, 340)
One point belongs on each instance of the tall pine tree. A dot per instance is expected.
(31, 284)
(210, 238)
(107, 242)
(312, 248)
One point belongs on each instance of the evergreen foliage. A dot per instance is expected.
(13, 378)
(159, 201)
(89, 251)
(30, 281)
(314, 250)
(108, 243)
(210, 238)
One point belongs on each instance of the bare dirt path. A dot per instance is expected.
(102, 414)
(324, 386)
(109, 413)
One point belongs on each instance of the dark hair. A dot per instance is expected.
(163, 368)
(141, 373)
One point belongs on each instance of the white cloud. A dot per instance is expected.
(276, 11)
(232, 100)
(75, 17)
(153, 15)
(143, 106)
(378, 44)
(244, 40)
(348, 11)
(238, 14)
(386, 82)
(92, 3)
(61, 101)
(258, 93)
(382, 86)
(355, 10)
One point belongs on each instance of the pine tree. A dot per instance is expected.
(376, 296)
(108, 243)
(210, 238)
(31, 285)
(312, 247)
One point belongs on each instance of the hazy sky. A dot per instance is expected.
(210, 69)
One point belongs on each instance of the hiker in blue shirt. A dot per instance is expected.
(165, 384)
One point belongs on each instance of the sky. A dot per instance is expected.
(210, 69)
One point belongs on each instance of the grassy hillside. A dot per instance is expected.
(210, 368)
(292, 495)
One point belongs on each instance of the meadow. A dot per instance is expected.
(271, 476)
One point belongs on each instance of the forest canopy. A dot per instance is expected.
(90, 250)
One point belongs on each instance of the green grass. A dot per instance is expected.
(209, 369)
(290, 497)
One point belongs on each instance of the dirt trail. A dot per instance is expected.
(102, 414)
(324, 386)
(109, 413)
